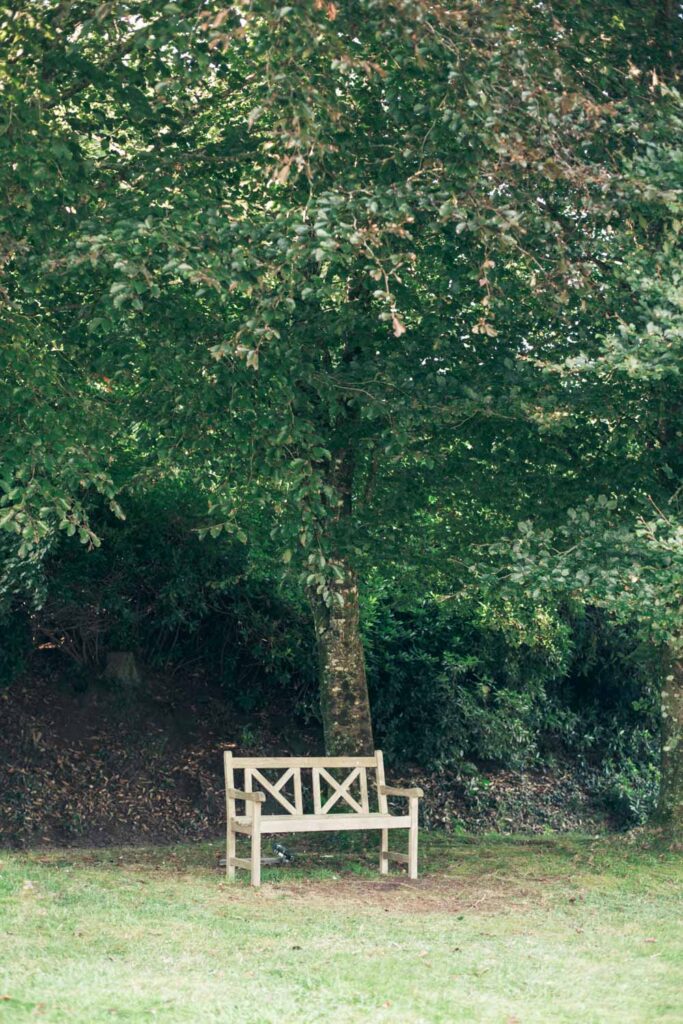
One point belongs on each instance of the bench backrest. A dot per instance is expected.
(336, 783)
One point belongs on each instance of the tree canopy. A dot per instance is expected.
(382, 278)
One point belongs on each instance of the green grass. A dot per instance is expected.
(500, 930)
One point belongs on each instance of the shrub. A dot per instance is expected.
(450, 688)
(447, 689)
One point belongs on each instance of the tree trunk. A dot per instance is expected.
(121, 667)
(670, 808)
(344, 699)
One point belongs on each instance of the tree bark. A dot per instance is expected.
(344, 702)
(121, 667)
(670, 807)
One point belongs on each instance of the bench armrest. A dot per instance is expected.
(396, 791)
(240, 794)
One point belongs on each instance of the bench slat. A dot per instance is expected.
(303, 762)
(298, 792)
(364, 790)
(326, 822)
(315, 779)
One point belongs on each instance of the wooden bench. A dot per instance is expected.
(335, 807)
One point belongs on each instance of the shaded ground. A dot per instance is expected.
(496, 930)
(100, 766)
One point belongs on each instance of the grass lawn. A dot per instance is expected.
(504, 930)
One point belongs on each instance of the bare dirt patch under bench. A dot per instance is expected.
(434, 895)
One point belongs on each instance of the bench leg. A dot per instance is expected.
(412, 839)
(230, 851)
(256, 847)
(384, 853)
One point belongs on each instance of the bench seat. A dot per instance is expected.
(322, 822)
